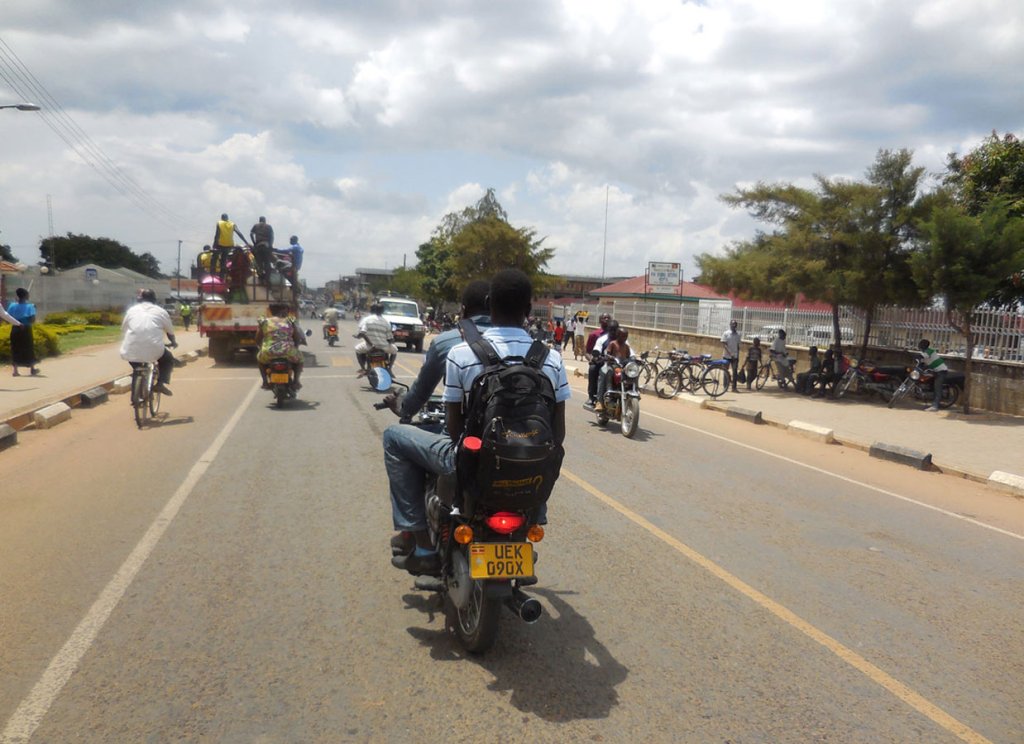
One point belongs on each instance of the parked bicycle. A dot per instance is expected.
(768, 370)
(682, 375)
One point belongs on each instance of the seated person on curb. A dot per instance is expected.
(279, 337)
(144, 326)
(410, 452)
(474, 307)
(375, 333)
(619, 349)
(826, 373)
(330, 318)
(805, 380)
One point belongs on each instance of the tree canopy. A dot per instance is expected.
(73, 250)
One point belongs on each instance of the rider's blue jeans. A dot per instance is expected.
(409, 453)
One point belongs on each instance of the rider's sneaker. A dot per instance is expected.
(599, 407)
(403, 543)
(163, 389)
(417, 565)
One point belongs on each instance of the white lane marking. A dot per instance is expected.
(844, 478)
(26, 719)
(851, 481)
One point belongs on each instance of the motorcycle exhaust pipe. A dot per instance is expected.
(524, 606)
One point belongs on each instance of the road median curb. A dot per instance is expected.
(1010, 482)
(902, 455)
(746, 414)
(47, 418)
(812, 431)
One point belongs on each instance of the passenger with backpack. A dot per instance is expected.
(507, 390)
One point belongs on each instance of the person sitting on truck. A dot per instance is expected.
(278, 336)
(223, 243)
(375, 333)
(262, 235)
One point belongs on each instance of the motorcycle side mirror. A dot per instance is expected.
(382, 380)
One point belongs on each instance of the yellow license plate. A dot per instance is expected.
(279, 377)
(248, 342)
(500, 560)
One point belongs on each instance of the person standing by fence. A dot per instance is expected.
(731, 345)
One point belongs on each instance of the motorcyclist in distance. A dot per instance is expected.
(375, 333)
(330, 318)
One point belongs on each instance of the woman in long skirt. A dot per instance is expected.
(23, 351)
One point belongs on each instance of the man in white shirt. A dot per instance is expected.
(144, 326)
(331, 318)
(375, 333)
(731, 346)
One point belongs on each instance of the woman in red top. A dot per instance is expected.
(559, 334)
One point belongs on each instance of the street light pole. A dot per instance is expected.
(179, 271)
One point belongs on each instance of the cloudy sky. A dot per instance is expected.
(358, 125)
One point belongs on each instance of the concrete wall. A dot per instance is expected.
(995, 386)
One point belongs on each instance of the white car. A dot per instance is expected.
(404, 316)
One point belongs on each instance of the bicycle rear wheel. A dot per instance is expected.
(668, 383)
(139, 403)
(154, 401)
(715, 381)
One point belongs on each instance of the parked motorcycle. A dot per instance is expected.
(870, 379)
(332, 335)
(622, 398)
(486, 554)
(920, 384)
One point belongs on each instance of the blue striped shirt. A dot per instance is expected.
(463, 366)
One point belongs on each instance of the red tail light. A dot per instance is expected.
(279, 366)
(505, 523)
(332, 329)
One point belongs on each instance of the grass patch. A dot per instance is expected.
(89, 336)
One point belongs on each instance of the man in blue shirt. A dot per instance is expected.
(410, 452)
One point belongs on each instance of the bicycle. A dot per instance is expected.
(767, 371)
(650, 369)
(145, 397)
(683, 374)
(715, 379)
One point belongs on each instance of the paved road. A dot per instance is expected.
(707, 581)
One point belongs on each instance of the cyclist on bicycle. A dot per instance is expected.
(144, 326)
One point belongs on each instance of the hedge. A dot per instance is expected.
(44, 339)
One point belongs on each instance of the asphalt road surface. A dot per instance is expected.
(224, 575)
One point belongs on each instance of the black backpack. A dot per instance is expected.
(510, 408)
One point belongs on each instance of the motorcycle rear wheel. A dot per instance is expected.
(630, 417)
(950, 396)
(476, 624)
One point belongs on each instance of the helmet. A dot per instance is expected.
(147, 295)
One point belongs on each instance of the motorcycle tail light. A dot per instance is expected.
(535, 533)
(505, 523)
(279, 367)
(332, 329)
(463, 534)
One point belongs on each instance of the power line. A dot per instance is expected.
(14, 72)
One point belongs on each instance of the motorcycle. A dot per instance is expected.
(868, 378)
(622, 398)
(281, 378)
(487, 554)
(920, 383)
(332, 335)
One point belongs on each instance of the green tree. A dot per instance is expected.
(992, 170)
(408, 282)
(74, 250)
(476, 243)
(963, 258)
(6, 255)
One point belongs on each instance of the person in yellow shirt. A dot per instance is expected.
(224, 243)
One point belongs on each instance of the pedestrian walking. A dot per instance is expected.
(186, 314)
(23, 352)
(559, 334)
(731, 345)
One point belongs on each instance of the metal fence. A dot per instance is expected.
(998, 335)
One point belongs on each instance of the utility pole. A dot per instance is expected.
(179, 271)
(604, 253)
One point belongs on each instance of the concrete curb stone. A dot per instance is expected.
(93, 397)
(1010, 482)
(746, 414)
(903, 455)
(812, 431)
(47, 418)
(8, 436)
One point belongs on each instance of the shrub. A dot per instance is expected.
(44, 339)
(107, 317)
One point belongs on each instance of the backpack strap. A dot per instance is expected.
(483, 348)
(537, 355)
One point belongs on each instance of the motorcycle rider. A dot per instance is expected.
(279, 336)
(616, 348)
(330, 318)
(601, 332)
(474, 307)
(375, 333)
(410, 452)
(144, 326)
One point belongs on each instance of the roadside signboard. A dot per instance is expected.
(663, 277)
